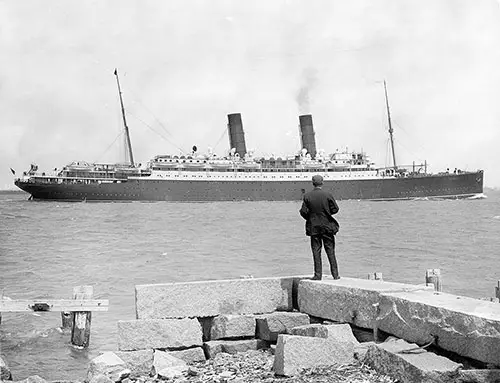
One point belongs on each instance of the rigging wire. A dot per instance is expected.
(220, 138)
(154, 131)
(110, 145)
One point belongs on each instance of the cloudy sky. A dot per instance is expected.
(185, 64)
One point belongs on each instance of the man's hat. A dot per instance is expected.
(317, 180)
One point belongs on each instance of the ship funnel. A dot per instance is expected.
(236, 134)
(307, 134)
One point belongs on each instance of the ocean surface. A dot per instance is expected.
(47, 248)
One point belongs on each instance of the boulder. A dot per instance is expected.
(408, 364)
(295, 353)
(212, 298)
(139, 362)
(270, 325)
(190, 355)
(5, 373)
(347, 300)
(159, 333)
(469, 327)
(168, 366)
(232, 326)
(215, 347)
(109, 365)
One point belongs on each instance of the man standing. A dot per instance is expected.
(317, 209)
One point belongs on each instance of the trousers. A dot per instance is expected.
(328, 241)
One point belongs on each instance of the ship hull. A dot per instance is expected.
(428, 186)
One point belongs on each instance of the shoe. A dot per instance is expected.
(337, 277)
(316, 278)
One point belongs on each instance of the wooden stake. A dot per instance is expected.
(433, 276)
(80, 332)
(497, 290)
(66, 319)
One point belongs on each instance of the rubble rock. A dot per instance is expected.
(479, 376)
(270, 325)
(190, 355)
(215, 347)
(408, 363)
(295, 353)
(158, 333)
(108, 364)
(139, 362)
(168, 366)
(5, 373)
(232, 326)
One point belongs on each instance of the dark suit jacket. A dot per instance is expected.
(317, 209)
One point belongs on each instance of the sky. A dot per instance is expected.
(185, 64)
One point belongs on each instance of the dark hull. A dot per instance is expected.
(437, 186)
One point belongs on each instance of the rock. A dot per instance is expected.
(193, 371)
(139, 362)
(32, 379)
(108, 364)
(190, 355)
(295, 353)
(168, 366)
(101, 378)
(158, 333)
(315, 330)
(212, 298)
(469, 327)
(215, 347)
(394, 359)
(270, 325)
(479, 376)
(361, 349)
(5, 373)
(347, 300)
(232, 326)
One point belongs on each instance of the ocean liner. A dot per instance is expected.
(240, 175)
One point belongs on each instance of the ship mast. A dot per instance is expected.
(390, 127)
(127, 134)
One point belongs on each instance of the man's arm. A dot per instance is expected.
(332, 204)
(304, 210)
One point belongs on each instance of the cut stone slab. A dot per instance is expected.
(232, 326)
(294, 353)
(469, 327)
(270, 325)
(167, 365)
(190, 355)
(347, 300)
(215, 347)
(139, 362)
(315, 330)
(159, 333)
(395, 359)
(212, 298)
(5, 373)
(109, 365)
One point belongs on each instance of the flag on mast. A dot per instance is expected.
(13, 171)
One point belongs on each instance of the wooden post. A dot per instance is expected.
(497, 290)
(433, 276)
(66, 319)
(377, 276)
(80, 331)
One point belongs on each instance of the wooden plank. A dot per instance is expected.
(80, 332)
(20, 305)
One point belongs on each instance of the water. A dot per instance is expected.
(47, 248)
